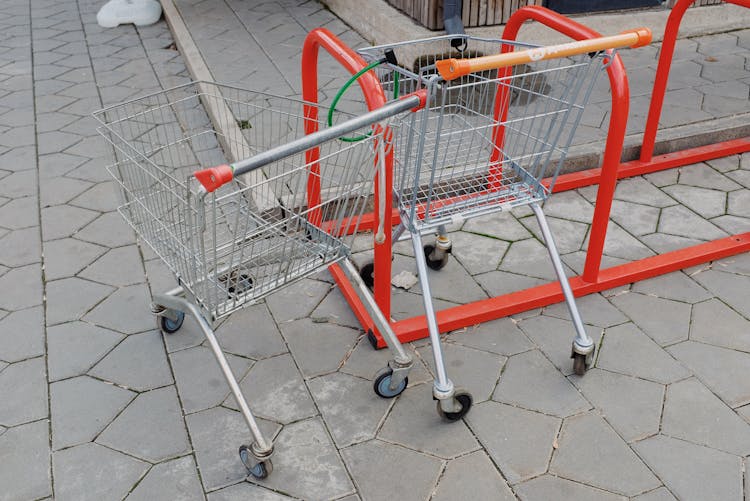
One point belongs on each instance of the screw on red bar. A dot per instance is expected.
(214, 177)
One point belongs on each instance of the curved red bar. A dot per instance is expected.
(618, 82)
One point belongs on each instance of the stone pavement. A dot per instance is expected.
(97, 404)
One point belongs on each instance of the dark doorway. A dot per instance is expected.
(576, 6)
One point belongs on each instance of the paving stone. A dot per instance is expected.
(590, 452)
(127, 310)
(26, 284)
(24, 454)
(452, 283)
(635, 218)
(724, 164)
(176, 479)
(62, 221)
(554, 337)
(138, 362)
(501, 336)
(739, 264)
(307, 464)
(693, 472)
(702, 176)
(92, 465)
(569, 205)
(118, 267)
(577, 260)
(251, 332)
(82, 407)
(522, 445)
(662, 243)
(355, 418)
(433, 435)
(532, 382)
(705, 202)
(74, 347)
(476, 253)
(717, 368)
(334, 309)
(150, 427)
(60, 190)
(693, 413)
(553, 488)
(364, 361)
(20, 247)
(660, 494)
(58, 164)
(70, 298)
(109, 230)
(568, 235)
(621, 244)
(664, 320)
(676, 285)
(594, 309)
(663, 178)
(473, 473)
(634, 417)
(276, 391)
(730, 288)
(297, 300)
(740, 176)
(20, 213)
(318, 348)
(411, 476)
(216, 435)
(404, 304)
(732, 224)
(738, 202)
(22, 335)
(23, 391)
(66, 257)
(730, 332)
(500, 225)
(199, 379)
(243, 491)
(681, 221)
(529, 257)
(639, 191)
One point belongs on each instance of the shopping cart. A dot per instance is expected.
(499, 119)
(233, 234)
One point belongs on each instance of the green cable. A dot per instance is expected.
(346, 86)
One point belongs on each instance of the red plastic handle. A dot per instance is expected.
(214, 177)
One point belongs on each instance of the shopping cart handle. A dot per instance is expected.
(453, 68)
(214, 177)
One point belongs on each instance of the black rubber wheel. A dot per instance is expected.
(259, 470)
(579, 364)
(438, 264)
(382, 383)
(367, 272)
(171, 326)
(464, 398)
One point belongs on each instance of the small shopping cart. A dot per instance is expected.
(235, 233)
(499, 119)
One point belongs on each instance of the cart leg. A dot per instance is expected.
(391, 380)
(452, 404)
(437, 255)
(583, 345)
(259, 465)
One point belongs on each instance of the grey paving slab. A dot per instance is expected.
(62, 221)
(109, 230)
(660, 494)
(635, 417)
(739, 264)
(74, 347)
(26, 284)
(627, 350)
(728, 287)
(349, 407)
(738, 202)
(216, 435)
(82, 407)
(621, 244)
(60, 190)
(308, 465)
(473, 473)
(693, 413)
(23, 391)
(251, 332)
(676, 286)
(297, 300)
(432, 435)
(364, 361)
(92, 465)
(528, 257)
(664, 320)
(150, 427)
(318, 348)
(20, 213)
(532, 382)
(635, 218)
(411, 476)
(500, 225)
(24, 454)
(22, 335)
(138, 362)
(66, 257)
(554, 337)
(199, 378)
(680, 221)
(20, 247)
(502, 337)
(728, 332)
(522, 446)
(277, 391)
(732, 224)
(119, 267)
(126, 310)
(638, 190)
(243, 491)
(70, 298)
(553, 488)
(176, 479)
(594, 310)
(717, 368)
(664, 178)
(702, 176)
(707, 203)
(740, 176)
(662, 243)
(452, 283)
(692, 471)
(477, 254)
(592, 453)
(568, 235)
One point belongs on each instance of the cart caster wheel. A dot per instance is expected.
(579, 364)
(171, 326)
(367, 272)
(382, 384)
(259, 470)
(435, 264)
(464, 399)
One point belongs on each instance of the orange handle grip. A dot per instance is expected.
(453, 68)
(214, 177)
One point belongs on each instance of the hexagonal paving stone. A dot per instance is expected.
(20, 247)
(66, 257)
(60, 190)
(22, 335)
(24, 454)
(730, 332)
(501, 225)
(475, 474)
(706, 203)
(176, 479)
(637, 219)
(590, 452)
(26, 284)
(23, 392)
(553, 488)
(20, 213)
(683, 222)
(519, 441)
(119, 267)
(664, 320)
(594, 309)
(126, 310)
(411, 476)
(63, 221)
(528, 257)
(74, 347)
(501, 336)
(243, 491)
(109, 230)
(297, 300)
(703, 176)
(729, 287)
(639, 191)
(477, 254)
(71, 298)
(318, 348)
(334, 309)
(568, 235)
